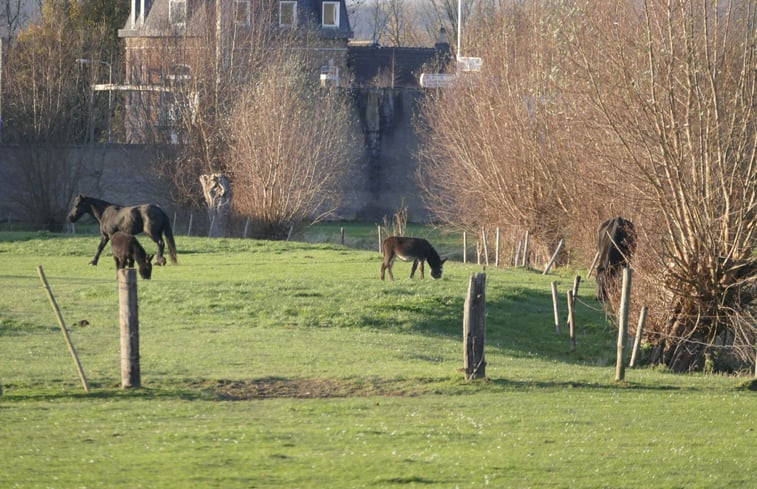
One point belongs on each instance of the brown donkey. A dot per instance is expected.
(416, 249)
(126, 249)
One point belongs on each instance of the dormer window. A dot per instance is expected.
(287, 13)
(177, 13)
(242, 12)
(330, 14)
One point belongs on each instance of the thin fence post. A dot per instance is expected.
(637, 340)
(246, 227)
(593, 264)
(555, 307)
(189, 228)
(173, 227)
(129, 325)
(212, 222)
(378, 230)
(620, 371)
(571, 321)
(517, 254)
(341, 235)
(496, 250)
(465, 247)
(525, 251)
(63, 329)
(554, 257)
(486, 247)
(474, 327)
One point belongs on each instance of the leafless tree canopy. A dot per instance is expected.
(587, 110)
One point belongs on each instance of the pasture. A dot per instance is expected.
(291, 365)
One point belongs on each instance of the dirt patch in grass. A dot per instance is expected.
(271, 388)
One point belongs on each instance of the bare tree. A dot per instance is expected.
(586, 111)
(288, 166)
(48, 103)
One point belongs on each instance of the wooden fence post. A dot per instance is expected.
(576, 283)
(474, 327)
(341, 235)
(637, 340)
(517, 254)
(378, 230)
(525, 251)
(571, 321)
(189, 228)
(246, 227)
(496, 250)
(554, 257)
(625, 296)
(593, 264)
(129, 322)
(486, 247)
(465, 247)
(63, 329)
(554, 306)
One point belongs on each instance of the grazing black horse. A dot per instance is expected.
(406, 249)
(126, 249)
(131, 220)
(616, 243)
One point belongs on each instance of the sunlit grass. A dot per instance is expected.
(275, 364)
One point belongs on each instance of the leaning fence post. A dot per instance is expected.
(474, 327)
(189, 228)
(63, 329)
(576, 283)
(554, 257)
(637, 340)
(129, 326)
(246, 227)
(554, 306)
(620, 371)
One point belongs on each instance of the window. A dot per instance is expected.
(330, 14)
(242, 12)
(287, 13)
(177, 12)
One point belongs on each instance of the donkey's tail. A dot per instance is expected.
(170, 242)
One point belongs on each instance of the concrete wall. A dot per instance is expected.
(381, 182)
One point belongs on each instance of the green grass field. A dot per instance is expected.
(291, 365)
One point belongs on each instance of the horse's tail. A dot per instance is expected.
(170, 241)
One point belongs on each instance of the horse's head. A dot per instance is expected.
(78, 210)
(145, 269)
(437, 272)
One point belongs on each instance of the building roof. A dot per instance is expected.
(394, 67)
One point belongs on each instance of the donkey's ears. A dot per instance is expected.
(443, 260)
(149, 258)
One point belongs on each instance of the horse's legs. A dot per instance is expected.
(387, 266)
(421, 264)
(158, 238)
(130, 261)
(415, 265)
(103, 241)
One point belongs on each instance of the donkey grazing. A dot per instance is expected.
(416, 249)
(126, 249)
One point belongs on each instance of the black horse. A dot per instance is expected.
(616, 243)
(131, 220)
